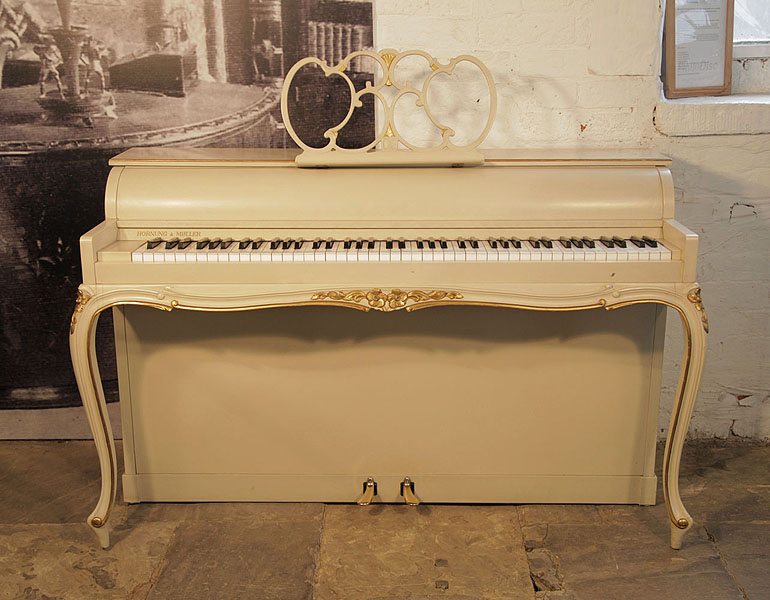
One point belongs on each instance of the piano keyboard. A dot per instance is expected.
(574, 249)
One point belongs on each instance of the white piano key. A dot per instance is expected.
(458, 252)
(200, 253)
(363, 252)
(621, 253)
(503, 253)
(234, 254)
(155, 255)
(395, 253)
(340, 254)
(493, 254)
(448, 253)
(189, 254)
(382, 250)
(223, 253)
(426, 252)
(138, 254)
(297, 253)
(330, 253)
(533, 254)
(169, 254)
(437, 252)
(254, 253)
(409, 254)
(552, 254)
(374, 252)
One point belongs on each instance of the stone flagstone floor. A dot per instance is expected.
(380, 552)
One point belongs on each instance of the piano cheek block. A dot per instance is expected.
(484, 259)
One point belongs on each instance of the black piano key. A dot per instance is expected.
(650, 242)
(347, 244)
(328, 244)
(370, 245)
(535, 242)
(389, 245)
(619, 242)
(274, 244)
(419, 244)
(474, 244)
(576, 242)
(184, 244)
(505, 244)
(432, 244)
(214, 244)
(286, 244)
(461, 243)
(401, 245)
(493, 243)
(298, 244)
(243, 244)
(607, 242)
(637, 242)
(201, 244)
(317, 244)
(443, 244)
(171, 244)
(226, 244)
(153, 243)
(516, 243)
(565, 242)
(546, 242)
(256, 244)
(359, 244)
(589, 243)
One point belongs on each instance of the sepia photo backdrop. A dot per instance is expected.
(147, 73)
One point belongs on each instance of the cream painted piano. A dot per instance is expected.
(342, 334)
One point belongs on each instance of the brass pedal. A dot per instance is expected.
(407, 491)
(370, 491)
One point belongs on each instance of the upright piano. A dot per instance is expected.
(346, 334)
(217, 230)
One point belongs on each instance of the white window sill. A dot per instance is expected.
(714, 115)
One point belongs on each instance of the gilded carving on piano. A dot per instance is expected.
(80, 303)
(695, 298)
(394, 300)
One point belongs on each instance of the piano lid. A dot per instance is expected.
(274, 157)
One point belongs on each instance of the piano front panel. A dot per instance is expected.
(312, 395)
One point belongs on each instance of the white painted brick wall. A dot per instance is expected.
(574, 73)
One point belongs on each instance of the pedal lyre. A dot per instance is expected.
(370, 491)
(407, 491)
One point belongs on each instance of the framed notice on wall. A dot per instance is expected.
(698, 47)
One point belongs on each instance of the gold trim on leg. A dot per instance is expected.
(86, 368)
(687, 389)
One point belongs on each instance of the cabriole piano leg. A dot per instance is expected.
(84, 363)
(695, 325)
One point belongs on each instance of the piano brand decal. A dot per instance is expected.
(386, 302)
(167, 233)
